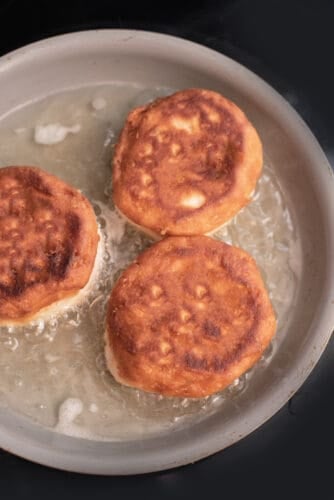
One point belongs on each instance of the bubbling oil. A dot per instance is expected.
(53, 370)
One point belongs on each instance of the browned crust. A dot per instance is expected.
(189, 316)
(48, 241)
(194, 142)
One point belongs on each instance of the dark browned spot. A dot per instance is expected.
(129, 344)
(217, 364)
(45, 203)
(16, 287)
(70, 192)
(73, 224)
(194, 363)
(184, 252)
(59, 261)
(11, 291)
(34, 180)
(211, 330)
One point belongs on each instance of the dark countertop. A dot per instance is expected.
(289, 44)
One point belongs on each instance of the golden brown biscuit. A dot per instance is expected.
(189, 316)
(48, 241)
(185, 164)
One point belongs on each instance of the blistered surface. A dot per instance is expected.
(54, 370)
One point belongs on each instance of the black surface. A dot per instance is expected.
(288, 43)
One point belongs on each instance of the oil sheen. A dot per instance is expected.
(53, 370)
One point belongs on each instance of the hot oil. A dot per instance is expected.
(54, 370)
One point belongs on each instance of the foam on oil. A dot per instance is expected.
(53, 370)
